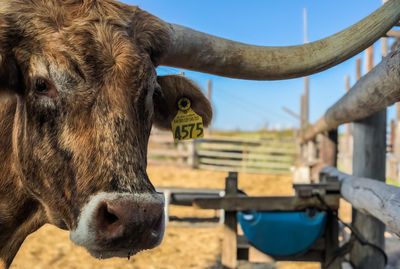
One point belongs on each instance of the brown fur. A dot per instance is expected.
(89, 132)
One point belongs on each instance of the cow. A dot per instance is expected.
(79, 97)
(79, 94)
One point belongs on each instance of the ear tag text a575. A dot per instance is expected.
(187, 124)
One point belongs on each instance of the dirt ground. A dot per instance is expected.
(183, 246)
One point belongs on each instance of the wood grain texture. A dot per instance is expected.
(369, 160)
(371, 197)
(329, 148)
(372, 93)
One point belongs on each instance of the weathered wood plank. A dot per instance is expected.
(373, 92)
(329, 148)
(256, 148)
(262, 203)
(371, 197)
(175, 153)
(244, 163)
(393, 33)
(185, 196)
(251, 156)
(269, 139)
(244, 169)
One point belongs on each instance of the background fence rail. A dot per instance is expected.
(271, 154)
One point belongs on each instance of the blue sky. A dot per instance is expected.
(251, 105)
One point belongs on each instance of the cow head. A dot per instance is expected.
(83, 73)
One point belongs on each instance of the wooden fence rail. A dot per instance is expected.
(370, 196)
(245, 155)
(372, 93)
(258, 155)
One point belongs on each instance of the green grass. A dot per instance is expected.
(393, 182)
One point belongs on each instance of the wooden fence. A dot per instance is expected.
(245, 155)
(163, 150)
(375, 204)
(254, 155)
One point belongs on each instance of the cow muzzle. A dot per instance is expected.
(120, 225)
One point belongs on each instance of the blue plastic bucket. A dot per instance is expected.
(282, 234)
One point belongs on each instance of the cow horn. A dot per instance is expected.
(202, 52)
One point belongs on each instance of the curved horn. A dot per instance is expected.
(202, 52)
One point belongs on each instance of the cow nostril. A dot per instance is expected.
(106, 215)
(110, 224)
(109, 217)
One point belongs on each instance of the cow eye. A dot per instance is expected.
(41, 86)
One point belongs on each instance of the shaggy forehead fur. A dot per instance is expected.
(108, 28)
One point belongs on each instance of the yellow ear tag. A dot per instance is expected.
(186, 124)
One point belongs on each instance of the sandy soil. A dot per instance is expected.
(183, 247)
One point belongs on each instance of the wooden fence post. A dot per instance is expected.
(396, 144)
(209, 97)
(181, 158)
(193, 158)
(332, 243)
(229, 247)
(346, 148)
(358, 68)
(391, 160)
(324, 151)
(307, 150)
(306, 101)
(303, 147)
(329, 156)
(311, 152)
(329, 148)
(369, 161)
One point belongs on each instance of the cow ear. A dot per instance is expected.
(172, 89)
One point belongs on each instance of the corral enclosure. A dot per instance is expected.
(264, 163)
(184, 246)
